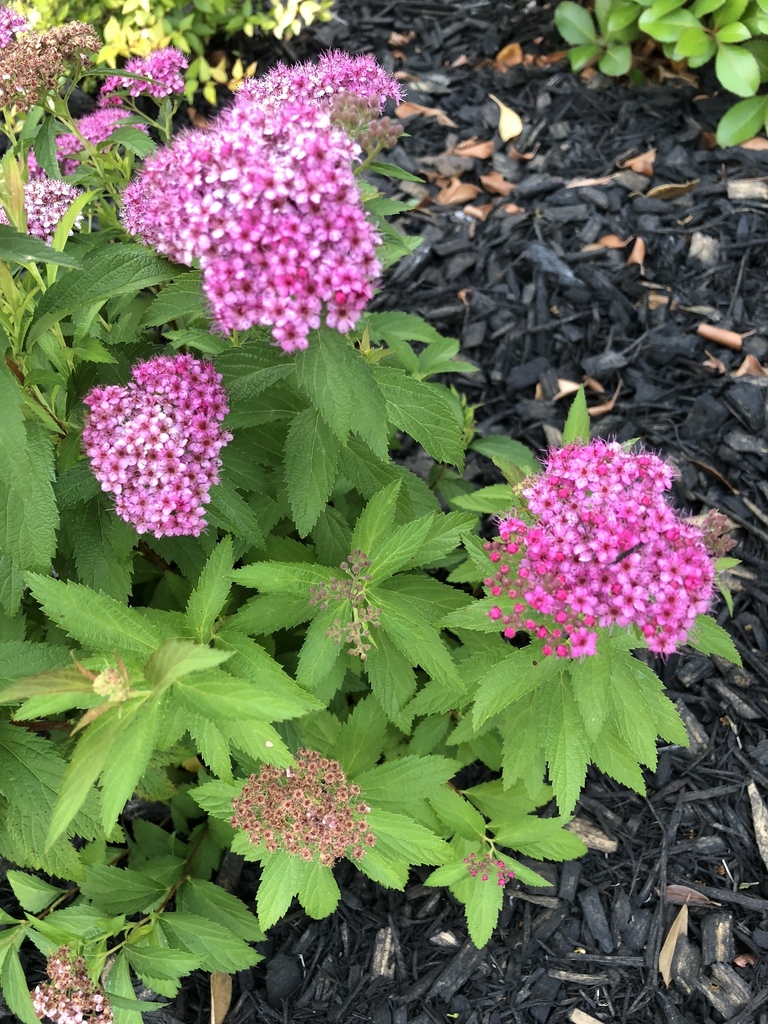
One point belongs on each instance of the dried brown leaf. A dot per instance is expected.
(728, 339)
(604, 407)
(473, 148)
(637, 254)
(713, 363)
(758, 143)
(400, 38)
(613, 242)
(657, 299)
(221, 996)
(515, 154)
(496, 183)
(641, 164)
(510, 122)
(565, 388)
(682, 894)
(478, 212)
(457, 192)
(405, 110)
(512, 208)
(594, 385)
(673, 190)
(580, 1017)
(750, 366)
(197, 120)
(508, 57)
(745, 960)
(679, 927)
(583, 182)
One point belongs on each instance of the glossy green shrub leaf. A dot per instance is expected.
(743, 121)
(733, 32)
(616, 60)
(669, 27)
(694, 42)
(737, 70)
(574, 23)
(580, 56)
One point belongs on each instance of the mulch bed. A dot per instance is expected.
(536, 303)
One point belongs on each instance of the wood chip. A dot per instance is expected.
(749, 188)
(759, 820)
(400, 38)
(717, 941)
(383, 959)
(221, 996)
(591, 835)
(580, 1017)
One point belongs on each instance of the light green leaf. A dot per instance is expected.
(33, 893)
(567, 751)
(407, 778)
(737, 69)
(574, 24)
(120, 890)
(339, 383)
(400, 838)
(458, 814)
(129, 757)
(213, 942)
(182, 297)
(94, 620)
(540, 838)
(499, 446)
(482, 904)
(401, 547)
(521, 671)
(360, 739)
(318, 892)
(495, 498)
(119, 984)
(616, 61)
(311, 460)
(577, 422)
(212, 902)
(392, 679)
(106, 272)
(709, 638)
(15, 987)
(377, 518)
(280, 882)
(207, 599)
(103, 548)
(734, 32)
(231, 512)
(178, 658)
(580, 56)
(290, 578)
(417, 640)
(743, 121)
(278, 691)
(523, 757)
(17, 247)
(425, 412)
(669, 28)
(133, 139)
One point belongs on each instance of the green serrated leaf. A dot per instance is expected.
(577, 425)
(16, 247)
(33, 893)
(15, 987)
(400, 838)
(231, 512)
(425, 412)
(488, 500)
(408, 778)
(709, 638)
(311, 461)
(207, 599)
(280, 882)
(121, 891)
(132, 138)
(211, 941)
(212, 902)
(318, 892)
(377, 518)
(182, 297)
(505, 683)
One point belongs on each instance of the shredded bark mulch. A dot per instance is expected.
(572, 259)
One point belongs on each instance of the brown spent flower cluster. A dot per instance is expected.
(32, 63)
(357, 632)
(308, 810)
(70, 996)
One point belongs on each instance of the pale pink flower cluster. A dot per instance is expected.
(155, 443)
(266, 200)
(164, 69)
(605, 548)
(11, 22)
(69, 996)
(335, 73)
(46, 200)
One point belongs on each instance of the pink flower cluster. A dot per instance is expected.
(266, 200)
(605, 548)
(46, 200)
(163, 68)
(69, 996)
(317, 84)
(11, 22)
(485, 866)
(155, 443)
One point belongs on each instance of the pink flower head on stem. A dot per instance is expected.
(605, 548)
(266, 200)
(46, 200)
(163, 68)
(155, 443)
(11, 22)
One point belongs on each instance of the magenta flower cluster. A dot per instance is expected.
(162, 67)
(155, 443)
(266, 201)
(605, 548)
(11, 22)
(46, 200)
(335, 73)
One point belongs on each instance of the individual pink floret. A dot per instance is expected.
(164, 68)
(604, 548)
(155, 443)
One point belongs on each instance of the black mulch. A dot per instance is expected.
(533, 307)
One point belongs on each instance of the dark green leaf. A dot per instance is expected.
(311, 459)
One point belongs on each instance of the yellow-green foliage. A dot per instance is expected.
(135, 27)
